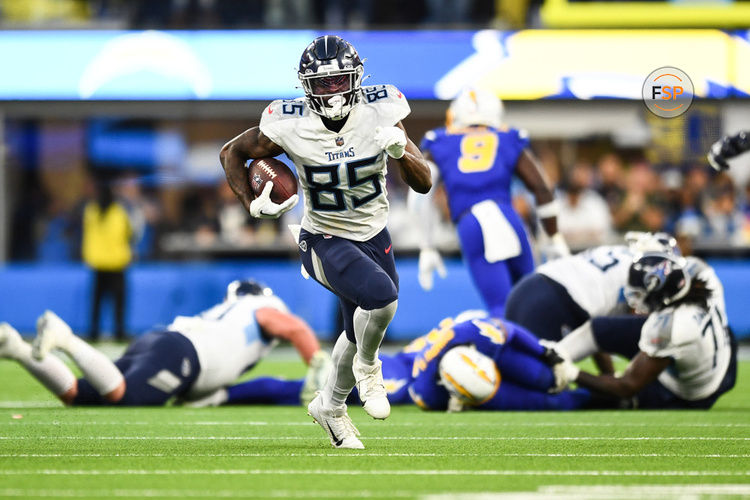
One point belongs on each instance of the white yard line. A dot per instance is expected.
(240, 423)
(348, 455)
(376, 472)
(385, 438)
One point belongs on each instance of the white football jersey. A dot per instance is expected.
(227, 340)
(342, 174)
(594, 278)
(698, 343)
(698, 268)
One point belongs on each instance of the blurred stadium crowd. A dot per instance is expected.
(605, 191)
(227, 14)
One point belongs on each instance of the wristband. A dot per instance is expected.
(550, 209)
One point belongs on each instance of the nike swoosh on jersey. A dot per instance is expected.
(388, 250)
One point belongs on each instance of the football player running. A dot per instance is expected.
(684, 356)
(339, 137)
(190, 359)
(475, 157)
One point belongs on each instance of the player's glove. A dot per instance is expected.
(317, 374)
(263, 208)
(565, 373)
(429, 262)
(557, 248)
(392, 140)
(726, 148)
(455, 405)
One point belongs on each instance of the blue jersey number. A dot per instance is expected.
(334, 201)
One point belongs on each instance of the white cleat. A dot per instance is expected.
(336, 423)
(10, 341)
(371, 388)
(51, 332)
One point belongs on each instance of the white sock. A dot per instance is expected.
(579, 344)
(97, 368)
(369, 330)
(341, 380)
(51, 371)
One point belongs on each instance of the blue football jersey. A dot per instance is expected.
(475, 163)
(487, 335)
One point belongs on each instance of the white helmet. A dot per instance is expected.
(475, 107)
(469, 375)
(642, 242)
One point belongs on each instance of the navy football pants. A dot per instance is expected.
(360, 273)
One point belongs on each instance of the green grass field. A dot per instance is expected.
(277, 452)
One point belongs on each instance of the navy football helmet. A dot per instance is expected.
(655, 280)
(240, 288)
(331, 74)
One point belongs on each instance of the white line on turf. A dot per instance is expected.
(382, 455)
(380, 472)
(386, 438)
(610, 492)
(240, 423)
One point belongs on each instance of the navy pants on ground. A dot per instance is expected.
(361, 273)
(157, 366)
(544, 307)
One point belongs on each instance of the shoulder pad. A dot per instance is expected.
(388, 100)
(284, 109)
(656, 332)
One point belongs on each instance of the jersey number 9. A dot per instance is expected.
(477, 153)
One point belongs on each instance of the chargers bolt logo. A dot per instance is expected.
(667, 92)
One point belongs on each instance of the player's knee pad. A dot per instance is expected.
(379, 317)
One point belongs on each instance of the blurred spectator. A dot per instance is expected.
(725, 220)
(641, 187)
(584, 217)
(611, 175)
(106, 250)
(143, 214)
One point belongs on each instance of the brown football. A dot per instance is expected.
(270, 169)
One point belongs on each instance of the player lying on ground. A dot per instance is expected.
(525, 381)
(682, 355)
(339, 136)
(574, 289)
(193, 357)
(475, 157)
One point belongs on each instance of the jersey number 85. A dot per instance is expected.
(334, 201)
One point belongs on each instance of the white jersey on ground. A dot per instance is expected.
(698, 268)
(342, 174)
(698, 343)
(593, 278)
(227, 340)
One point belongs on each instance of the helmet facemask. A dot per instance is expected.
(332, 93)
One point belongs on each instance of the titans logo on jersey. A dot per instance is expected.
(475, 163)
